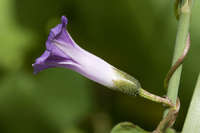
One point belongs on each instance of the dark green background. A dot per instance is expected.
(133, 35)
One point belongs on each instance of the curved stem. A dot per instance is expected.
(178, 62)
(169, 120)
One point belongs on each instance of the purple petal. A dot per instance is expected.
(59, 33)
(48, 60)
(54, 56)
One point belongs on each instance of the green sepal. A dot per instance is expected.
(126, 84)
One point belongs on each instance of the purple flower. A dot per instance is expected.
(62, 51)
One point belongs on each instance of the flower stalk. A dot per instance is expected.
(147, 95)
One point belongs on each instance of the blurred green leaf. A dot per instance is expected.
(73, 130)
(18, 111)
(64, 95)
(52, 100)
(127, 127)
(14, 38)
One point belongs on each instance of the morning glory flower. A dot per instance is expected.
(62, 51)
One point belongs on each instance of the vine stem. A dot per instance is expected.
(169, 120)
(181, 37)
(178, 62)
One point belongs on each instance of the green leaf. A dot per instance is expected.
(192, 122)
(127, 127)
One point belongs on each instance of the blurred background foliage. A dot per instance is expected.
(133, 35)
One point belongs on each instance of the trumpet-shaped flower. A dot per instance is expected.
(62, 51)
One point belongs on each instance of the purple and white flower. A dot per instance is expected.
(62, 51)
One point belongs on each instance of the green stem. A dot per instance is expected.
(147, 95)
(182, 33)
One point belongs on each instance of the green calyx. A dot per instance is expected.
(129, 85)
(126, 83)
